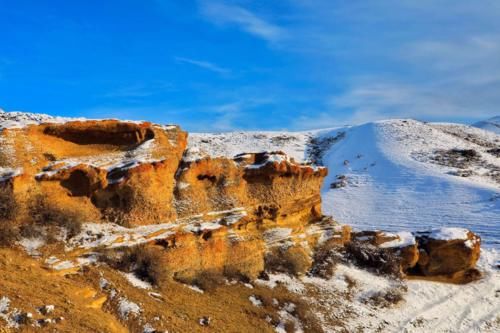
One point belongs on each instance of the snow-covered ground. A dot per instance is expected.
(393, 184)
(21, 119)
(355, 300)
(231, 144)
(394, 178)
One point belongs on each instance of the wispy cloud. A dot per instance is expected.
(203, 64)
(226, 116)
(430, 60)
(234, 115)
(225, 14)
(139, 90)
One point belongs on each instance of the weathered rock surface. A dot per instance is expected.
(116, 171)
(269, 185)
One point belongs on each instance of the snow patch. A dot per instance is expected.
(404, 239)
(449, 234)
(196, 288)
(8, 173)
(136, 282)
(126, 308)
(31, 245)
(255, 301)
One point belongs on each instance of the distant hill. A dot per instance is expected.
(492, 124)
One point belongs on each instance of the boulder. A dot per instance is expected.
(445, 254)
(447, 251)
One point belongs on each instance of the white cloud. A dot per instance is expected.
(426, 59)
(431, 60)
(203, 64)
(225, 14)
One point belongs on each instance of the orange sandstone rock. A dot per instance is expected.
(448, 250)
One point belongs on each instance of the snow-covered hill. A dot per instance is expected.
(492, 124)
(392, 175)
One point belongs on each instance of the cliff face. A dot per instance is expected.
(103, 170)
(224, 211)
(268, 185)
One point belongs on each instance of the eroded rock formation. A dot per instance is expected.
(107, 170)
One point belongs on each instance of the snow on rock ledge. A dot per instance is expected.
(9, 173)
(447, 253)
(449, 234)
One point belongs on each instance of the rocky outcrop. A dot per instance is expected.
(106, 132)
(270, 186)
(107, 170)
(133, 174)
(388, 252)
(445, 254)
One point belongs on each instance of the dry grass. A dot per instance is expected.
(142, 260)
(28, 286)
(9, 232)
(41, 213)
(325, 260)
(374, 258)
(294, 260)
(387, 298)
(276, 299)
(8, 206)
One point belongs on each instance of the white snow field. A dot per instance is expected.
(393, 185)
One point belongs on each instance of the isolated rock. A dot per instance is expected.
(447, 250)
(445, 254)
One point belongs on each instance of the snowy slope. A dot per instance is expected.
(425, 307)
(394, 179)
(232, 143)
(393, 184)
(492, 124)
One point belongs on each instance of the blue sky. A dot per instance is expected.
(213, 65)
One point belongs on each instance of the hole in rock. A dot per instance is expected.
(106, 133)
(78, 184)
